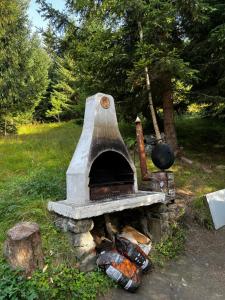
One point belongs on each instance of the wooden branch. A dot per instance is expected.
(186, 160)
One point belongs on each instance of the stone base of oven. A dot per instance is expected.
(154, 221)
(97, 208)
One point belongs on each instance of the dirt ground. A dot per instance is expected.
(197, 274)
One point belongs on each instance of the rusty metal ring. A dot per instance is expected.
(105, 102)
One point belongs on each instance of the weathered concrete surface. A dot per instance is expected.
(199, 274)
(97, 208)
(100, 128)
(100, 134)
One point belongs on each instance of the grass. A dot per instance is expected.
(170, 247)
(61, 282)
(201, 212)
(204, 143)
(33, 165)
(203, 139)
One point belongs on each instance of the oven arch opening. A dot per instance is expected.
(110, 176)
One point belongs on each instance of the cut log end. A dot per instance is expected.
(22, 230)
(23, 248)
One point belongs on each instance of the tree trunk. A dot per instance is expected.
(168, 114)
(148, 86)
(152, 110)
(23, 247)
(5, 129)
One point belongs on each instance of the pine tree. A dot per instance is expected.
(64, 94)
(110, 57)
(205, 51)
(23, 63)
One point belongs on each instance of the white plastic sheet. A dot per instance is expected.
(216, 201)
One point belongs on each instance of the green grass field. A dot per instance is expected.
(33, 164)
(204, 142)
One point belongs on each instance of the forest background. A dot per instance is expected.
(95, 46)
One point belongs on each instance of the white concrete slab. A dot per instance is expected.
(216, 201)
(97, 208)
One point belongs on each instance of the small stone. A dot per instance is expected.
(184, 283)
(155, 229)
(84, 243)
(170, 197)
(88, 264)
(75, 226)
(180, 203)
(165, 216)
(172, 207)
(61, 223)
(82, 239)
(80, 226)
(165, 226)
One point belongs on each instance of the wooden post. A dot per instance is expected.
(141, 150)
(23, 249)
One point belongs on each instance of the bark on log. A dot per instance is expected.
(168, 113)
(141, 150)
(148, 86)
(23, 248)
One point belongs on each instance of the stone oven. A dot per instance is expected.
(101, 177)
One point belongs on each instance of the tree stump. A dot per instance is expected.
(23, 248)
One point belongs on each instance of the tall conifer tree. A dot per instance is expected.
(23, 63)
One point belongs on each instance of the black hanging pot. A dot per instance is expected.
(162, 156)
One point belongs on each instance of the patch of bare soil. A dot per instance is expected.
(197, 274)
